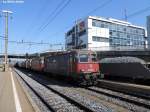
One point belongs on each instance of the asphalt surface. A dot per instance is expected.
(8, 98)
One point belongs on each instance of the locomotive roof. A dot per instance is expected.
(123, 60)
(52, 53)
(67, 52)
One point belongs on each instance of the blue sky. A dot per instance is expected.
(28, 17)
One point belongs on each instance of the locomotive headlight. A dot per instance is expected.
(82, 70)
(90, 65)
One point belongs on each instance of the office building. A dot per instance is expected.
(98, 33)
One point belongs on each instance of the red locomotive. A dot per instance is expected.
(37, 64)
(79, 65)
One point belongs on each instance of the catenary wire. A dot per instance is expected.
(51, 14)
(90, 12)
(53, 18)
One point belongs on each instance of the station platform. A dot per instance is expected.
(12, 95)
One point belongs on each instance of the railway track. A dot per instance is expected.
(142, 102)
(76, 95)
(94, 98)
(139, 91)
(68, 102)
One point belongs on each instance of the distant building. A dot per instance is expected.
(99, 33)
(148, 30)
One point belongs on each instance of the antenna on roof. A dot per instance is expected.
(125, 15)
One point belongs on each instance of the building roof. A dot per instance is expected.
(115, 21)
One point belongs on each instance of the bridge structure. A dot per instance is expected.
(140, 53)
(17, 56)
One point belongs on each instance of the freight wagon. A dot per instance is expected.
(125, 67)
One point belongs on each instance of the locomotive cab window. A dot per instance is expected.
(83, 57)
(93, 57)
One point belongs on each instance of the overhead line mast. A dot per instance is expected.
(6, 14)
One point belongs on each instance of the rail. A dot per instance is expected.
(81, 106)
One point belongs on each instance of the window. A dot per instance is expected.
(102, 25)
(83, 57)
(143, 31)
(82, 33)
(93, 23)
(104, 39)
(82, 46)
(118, 34)
(114, 27)
(94, 39)
(105, 25)
(110, 33)
(93, 57)
(100, 39)
(110, 40)
(119, 27)
(124, 29)
(128, 42)
(128, 36)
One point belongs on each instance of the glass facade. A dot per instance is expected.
(121, 35)
(100, 39)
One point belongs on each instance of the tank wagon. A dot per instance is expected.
(125, 67)
(78, 65)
